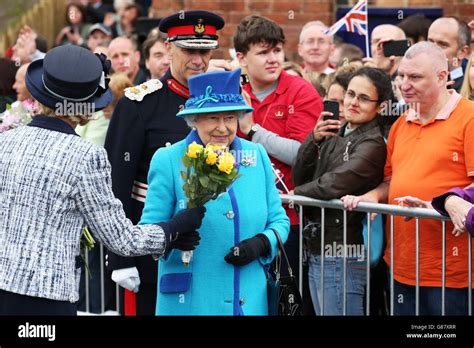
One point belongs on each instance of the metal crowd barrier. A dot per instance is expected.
(389, 210)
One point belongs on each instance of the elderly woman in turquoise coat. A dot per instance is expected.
(226, 275)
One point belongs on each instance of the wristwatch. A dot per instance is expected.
(253, 130)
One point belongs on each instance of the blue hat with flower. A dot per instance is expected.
(214, 92)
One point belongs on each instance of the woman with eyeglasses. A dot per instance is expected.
(335, 160)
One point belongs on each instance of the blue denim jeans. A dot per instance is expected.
(456, 300)
(333, 285)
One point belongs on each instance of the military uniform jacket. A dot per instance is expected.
(137, 129)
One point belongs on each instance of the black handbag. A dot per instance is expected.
(284, 298)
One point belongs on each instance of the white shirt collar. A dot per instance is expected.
(456, 73)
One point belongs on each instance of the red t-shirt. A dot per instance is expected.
(291, 111)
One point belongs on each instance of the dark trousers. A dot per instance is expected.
(456, 300)
(292, 250)
(16, 304)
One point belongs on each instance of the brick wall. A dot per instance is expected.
(292, 15)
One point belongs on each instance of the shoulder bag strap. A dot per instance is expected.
(281, 250)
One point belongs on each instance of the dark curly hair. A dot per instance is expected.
(380, 80)
(79, 7)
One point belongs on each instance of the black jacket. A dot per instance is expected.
(335, 167)
(136, 131)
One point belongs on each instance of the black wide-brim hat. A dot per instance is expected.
(70, 74)
(193, 29)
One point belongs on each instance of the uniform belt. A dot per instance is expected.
(139, 191)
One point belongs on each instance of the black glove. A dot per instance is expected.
(248, 250)
(187, 240)
(181, 231)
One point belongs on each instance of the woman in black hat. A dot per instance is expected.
(53, 184)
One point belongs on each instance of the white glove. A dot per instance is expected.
(127, 278)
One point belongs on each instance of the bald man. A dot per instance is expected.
(381, 35)
(429, 150)
(19, 86)
(125, 58)
(453, 37)
(315, 47)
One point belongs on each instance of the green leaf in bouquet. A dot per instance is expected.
(192, 203)
(221, 188)
(192, 186)
(200, 166)
(213, 186)
(186, 189)
(207, 168)
(187, 161)
(184, 176)
(204, 180)
(233, 176)
(217, 177)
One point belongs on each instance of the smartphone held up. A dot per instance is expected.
(333, 107)
(395, 48)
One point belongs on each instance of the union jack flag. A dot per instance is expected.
(355, 21)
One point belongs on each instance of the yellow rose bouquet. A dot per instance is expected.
(209, 172)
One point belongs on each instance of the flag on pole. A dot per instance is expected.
(355, 21)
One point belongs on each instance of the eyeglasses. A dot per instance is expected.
(319, 42)
(363, 99)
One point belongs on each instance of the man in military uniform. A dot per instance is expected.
(145, 120)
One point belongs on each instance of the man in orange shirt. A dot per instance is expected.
(429, 150)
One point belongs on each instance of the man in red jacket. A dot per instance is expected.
(286, 107)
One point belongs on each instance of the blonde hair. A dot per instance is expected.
(118, 83)
(348, 68)
(351, 67)
(47, 111)
(318, 81)
(466, 89)
(290, 65)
